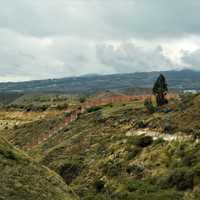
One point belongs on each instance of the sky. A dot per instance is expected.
(62, 38)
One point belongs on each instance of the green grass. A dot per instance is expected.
(23, 179)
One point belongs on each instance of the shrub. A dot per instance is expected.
(140, 141)
(135, 170)
(167, 125)
(168, 128)
(189, 159)
(196, 133)
(181, 178)
(99, 117)
(134, 185)
(69, 171)
(158, 141)
(62, 106)
(112, 168)
(133, 152)
(149, 106)
(67, 114)
(9, 154)
(82, 99)
(99, 185)
(93, 109)
(140, 124)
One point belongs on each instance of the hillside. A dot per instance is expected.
(21, 178)
(118, 150)
(185, 79)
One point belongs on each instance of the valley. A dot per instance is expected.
(109, 146)
(99, 100)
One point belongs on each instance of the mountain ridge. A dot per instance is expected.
(184, 79)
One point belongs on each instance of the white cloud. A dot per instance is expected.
(130, 58)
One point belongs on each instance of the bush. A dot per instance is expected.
(112, 168)
(149, 106)
(139, 195)
(99, 185)
(140, 141)
(134, 185)
(132, 152)
(135, 170)
(99, 117)
(196, 133)
(158, 141)
(82, 99)
(168, 128)
(181, 178)
(93, 109)
(67, 114)
(69, 171)
(35, 108)
(140, 124)
(62, 106)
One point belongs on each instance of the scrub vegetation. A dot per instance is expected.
(101, 155)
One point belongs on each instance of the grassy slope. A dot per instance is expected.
(95, 151)
(21, 178)
(27, 133)
(184, 118)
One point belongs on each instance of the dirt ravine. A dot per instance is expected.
(80, 110)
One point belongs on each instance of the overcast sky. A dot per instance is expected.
(59, 38)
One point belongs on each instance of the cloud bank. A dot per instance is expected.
(50, 39)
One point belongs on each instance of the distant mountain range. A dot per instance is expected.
(184, 80)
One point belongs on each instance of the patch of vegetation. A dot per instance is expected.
(93, 109)
(112, 168)
(135, 170)
(132, 151)
(181, 178)
(23, 179)
(99, 185)
(70, 170)
(149, 106)
(141, 190)
(140, 124)
(159, 141)
(99, 161)
(140, 141)
(196, 133)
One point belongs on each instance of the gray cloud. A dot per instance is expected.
(102, 18)
(129, 58)
(33, 57)
(41, 39)
(192, 59)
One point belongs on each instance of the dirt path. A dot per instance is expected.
(155, 135)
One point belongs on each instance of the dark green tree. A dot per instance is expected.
(160, 90)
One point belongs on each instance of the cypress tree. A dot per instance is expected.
(160, 90)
